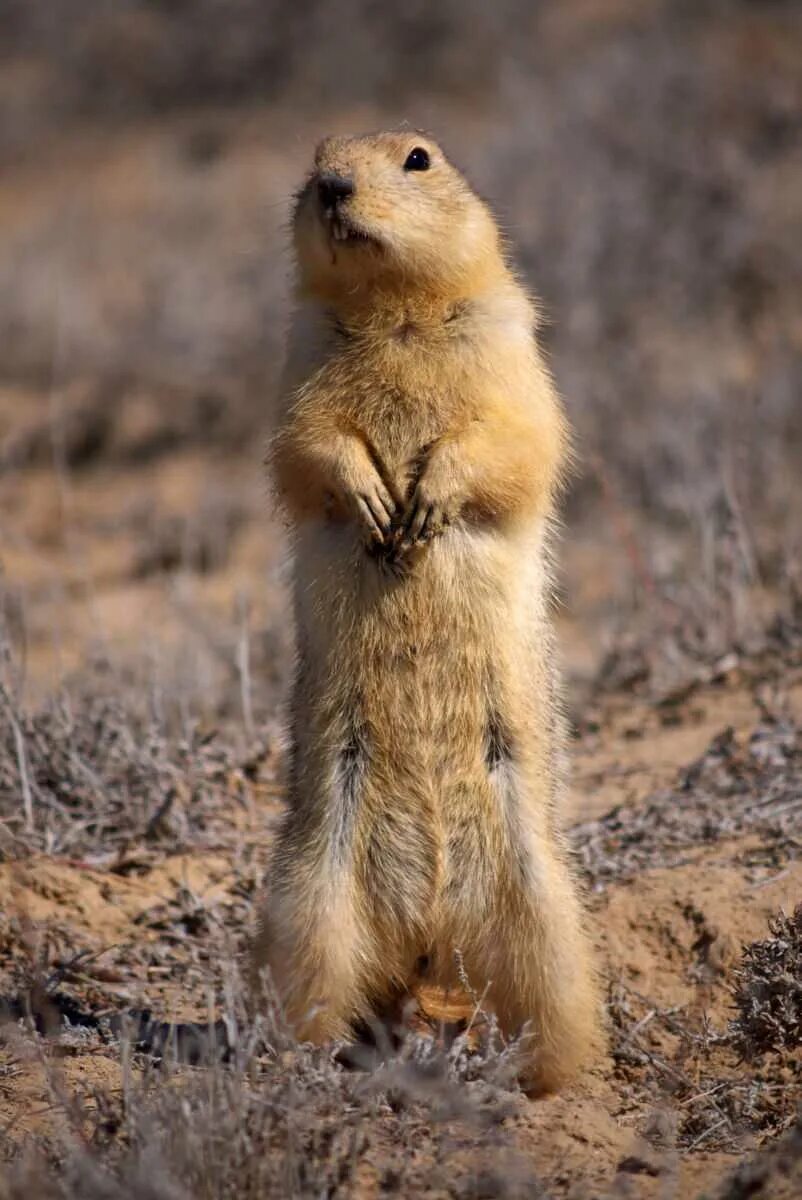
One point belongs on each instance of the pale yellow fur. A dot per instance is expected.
(424, 801)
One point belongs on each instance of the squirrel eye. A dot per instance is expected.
(417, 160)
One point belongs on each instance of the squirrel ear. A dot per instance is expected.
(321, 148)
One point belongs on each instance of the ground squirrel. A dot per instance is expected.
(417, 452)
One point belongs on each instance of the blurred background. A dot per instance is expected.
(643, 157)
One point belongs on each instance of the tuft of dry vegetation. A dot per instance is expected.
(768, 990)
(276, 1119)
(681, 1065)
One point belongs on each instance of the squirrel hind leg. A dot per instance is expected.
(313, 946)
(545, 985)
(530, 958)
(311, 969)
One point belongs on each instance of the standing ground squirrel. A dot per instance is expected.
(419, 446)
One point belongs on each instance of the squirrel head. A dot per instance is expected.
(387, 216)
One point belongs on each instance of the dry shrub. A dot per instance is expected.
(768, 990)
(684, 1071)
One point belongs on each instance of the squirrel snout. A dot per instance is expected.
(332, 188)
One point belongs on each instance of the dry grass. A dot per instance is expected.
(103, 780)
(277, 1119)
(257, 1116)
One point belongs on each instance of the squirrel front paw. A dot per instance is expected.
(431, 508)
(369, 499)
(375, 512)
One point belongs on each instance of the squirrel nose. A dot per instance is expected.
(332, 188)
